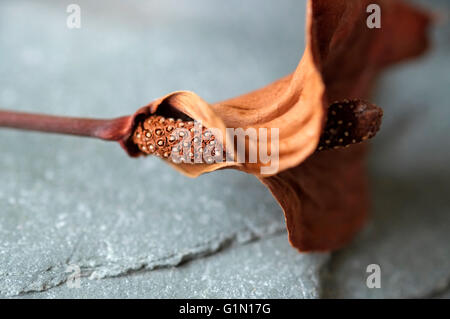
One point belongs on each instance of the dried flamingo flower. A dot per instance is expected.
(320, 182)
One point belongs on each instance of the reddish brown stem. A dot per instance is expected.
(107, 129)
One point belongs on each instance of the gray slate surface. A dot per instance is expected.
(137, 228)
(268, 267)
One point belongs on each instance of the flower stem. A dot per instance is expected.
(108, 129)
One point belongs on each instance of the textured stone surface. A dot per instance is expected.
(269, 267)
(136, 228)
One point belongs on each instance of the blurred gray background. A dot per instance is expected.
(136, 228)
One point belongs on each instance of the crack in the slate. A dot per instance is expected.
(198, 251)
